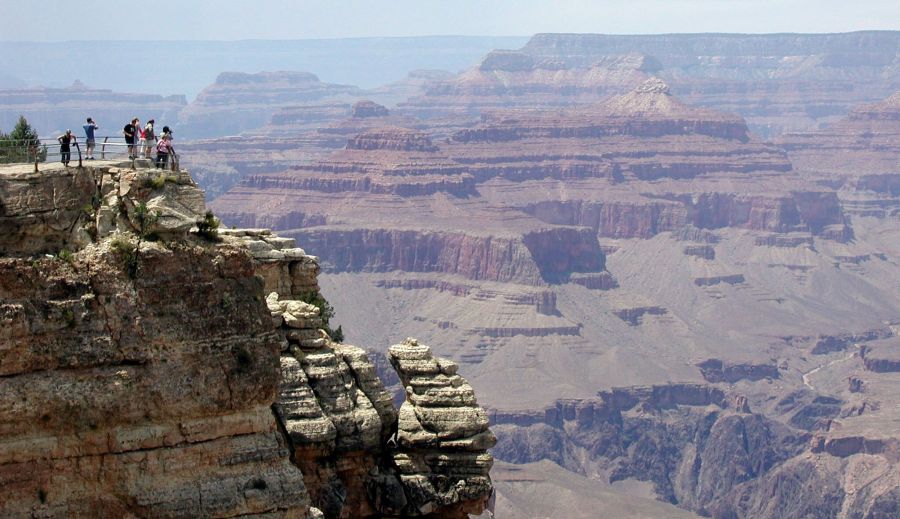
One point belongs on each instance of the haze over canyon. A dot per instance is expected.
(667, 265)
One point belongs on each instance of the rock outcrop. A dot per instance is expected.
(238, 101)
(442, 436)
(142, 360)
(137, 374)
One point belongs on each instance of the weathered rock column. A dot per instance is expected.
(442, 436)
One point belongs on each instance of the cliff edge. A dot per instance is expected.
(154, 366)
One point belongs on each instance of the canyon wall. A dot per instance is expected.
(142, 359)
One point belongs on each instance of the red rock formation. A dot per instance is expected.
(776, 82)
(507, 78)
(239, 101)
(532, 259)
(367, 108)
(857, 155)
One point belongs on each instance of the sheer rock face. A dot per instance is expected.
(138, 377)
(341, 422)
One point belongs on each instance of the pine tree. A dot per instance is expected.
(22, 144)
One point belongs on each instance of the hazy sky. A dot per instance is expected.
(52, 20)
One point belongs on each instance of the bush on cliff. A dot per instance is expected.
(127, 251)
(208, 227)
(326, 312)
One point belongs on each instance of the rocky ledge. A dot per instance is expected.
(154, 366)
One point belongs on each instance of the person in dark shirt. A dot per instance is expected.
(89, 137)
(64, 141)
(128, 131)
(149, 139)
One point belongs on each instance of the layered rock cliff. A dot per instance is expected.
(679, 247)
(778, 82)
(239, 101)
(705, 450)
(144, 352)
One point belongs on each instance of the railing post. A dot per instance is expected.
(103, 148)
(77, 147)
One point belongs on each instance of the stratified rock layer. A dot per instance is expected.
(777, 82)
(53, 110)
(239, 101)
(141, 362)
(137, 375)
(442, 435)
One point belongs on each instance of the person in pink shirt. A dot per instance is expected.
(163, 148)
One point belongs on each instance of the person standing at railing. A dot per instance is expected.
(163, 148)
(149, 139)
(129, 131)
(142, 140)
(89, 137)
(64, 141)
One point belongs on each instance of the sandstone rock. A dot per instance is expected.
(258, 96)
(140, 391)
(138, 377)
(442, 435)
(367, 108)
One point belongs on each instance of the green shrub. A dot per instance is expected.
(127, 251)
(69, 316)
(158, 181)
(208, 227)
(66, 255)
(326, 312)
(145, 218)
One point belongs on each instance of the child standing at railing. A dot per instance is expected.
(142, 139)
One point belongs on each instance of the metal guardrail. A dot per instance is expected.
(50, 150)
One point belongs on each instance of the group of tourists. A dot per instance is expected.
(140, 140)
